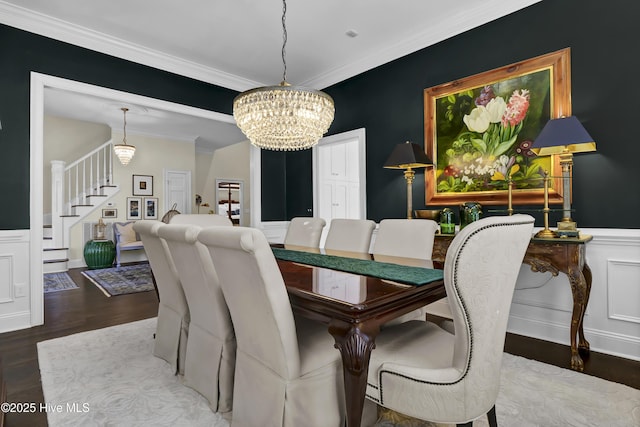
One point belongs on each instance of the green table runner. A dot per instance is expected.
(383, 270)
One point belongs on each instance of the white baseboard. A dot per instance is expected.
(126, 257)
(606, 342)
(15, 321)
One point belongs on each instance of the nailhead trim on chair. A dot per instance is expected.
(464, 311)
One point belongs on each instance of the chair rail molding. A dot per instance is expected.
(17, 310)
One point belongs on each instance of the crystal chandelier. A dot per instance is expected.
(124, 151)
(283, 117)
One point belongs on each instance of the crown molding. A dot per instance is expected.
(28, 20)
(47, 26)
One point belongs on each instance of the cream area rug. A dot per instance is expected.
(110, 377)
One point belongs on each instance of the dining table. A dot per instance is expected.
(355, 294)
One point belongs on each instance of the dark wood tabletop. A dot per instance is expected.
(354, 307)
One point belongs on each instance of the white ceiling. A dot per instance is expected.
(237, 43)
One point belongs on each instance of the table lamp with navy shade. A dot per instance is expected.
(563, 137)
(408, 156)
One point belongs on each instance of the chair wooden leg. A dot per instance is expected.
(491, 417)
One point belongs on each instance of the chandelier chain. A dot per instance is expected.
(284, 39)
(124, 130)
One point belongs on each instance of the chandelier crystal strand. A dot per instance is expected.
(123, 151)
(283, 117)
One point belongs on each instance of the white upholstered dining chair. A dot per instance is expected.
(425, 372)
(351, 235)
(201, 220)
(210, 354)
(173, 312)
(288, 372)
(304, 231)
(411, 239)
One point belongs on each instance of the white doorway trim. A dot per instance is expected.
(241, 220)
(340, 138)
(276, 230)
(166, 175)
(39, 82)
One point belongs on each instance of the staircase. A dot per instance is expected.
(77, 190)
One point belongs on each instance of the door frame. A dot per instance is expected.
(340, 138)
(187, 175)
(39, 82)
(240, 196)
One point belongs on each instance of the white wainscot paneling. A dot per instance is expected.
(542, 304)
(14, 280)
(623, 290)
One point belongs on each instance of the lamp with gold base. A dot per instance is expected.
(564, 136)
(408, 156)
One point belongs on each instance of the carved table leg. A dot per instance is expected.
(580, 292)
(583, 344)
(355, 343)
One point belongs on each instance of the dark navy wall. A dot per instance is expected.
(388, 102)
(23, 52)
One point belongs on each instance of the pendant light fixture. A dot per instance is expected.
(283, 117)
(124, 151)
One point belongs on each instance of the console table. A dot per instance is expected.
(555, 255)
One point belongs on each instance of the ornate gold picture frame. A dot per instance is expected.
(479, 131)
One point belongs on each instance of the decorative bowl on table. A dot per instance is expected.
(433, 214)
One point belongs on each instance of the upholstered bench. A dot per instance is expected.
(126, 239)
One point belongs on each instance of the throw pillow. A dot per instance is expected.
(127, 233)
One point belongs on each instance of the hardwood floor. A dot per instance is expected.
(87, 308)
(65, 313)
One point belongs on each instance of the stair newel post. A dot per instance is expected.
(57, 202)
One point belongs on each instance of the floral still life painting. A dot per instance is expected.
(480, 135)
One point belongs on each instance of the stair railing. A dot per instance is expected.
(88, 174)
(72, 184)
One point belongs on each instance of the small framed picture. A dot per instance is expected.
(150, 208)
(134, 208)
(142, 185)
(109, 213)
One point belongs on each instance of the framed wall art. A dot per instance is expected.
(109, 213)
(142, 185)
(134, 208)
(479, 131)
(150, 208)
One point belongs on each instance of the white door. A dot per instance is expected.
(177, 191)
(339, 187)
